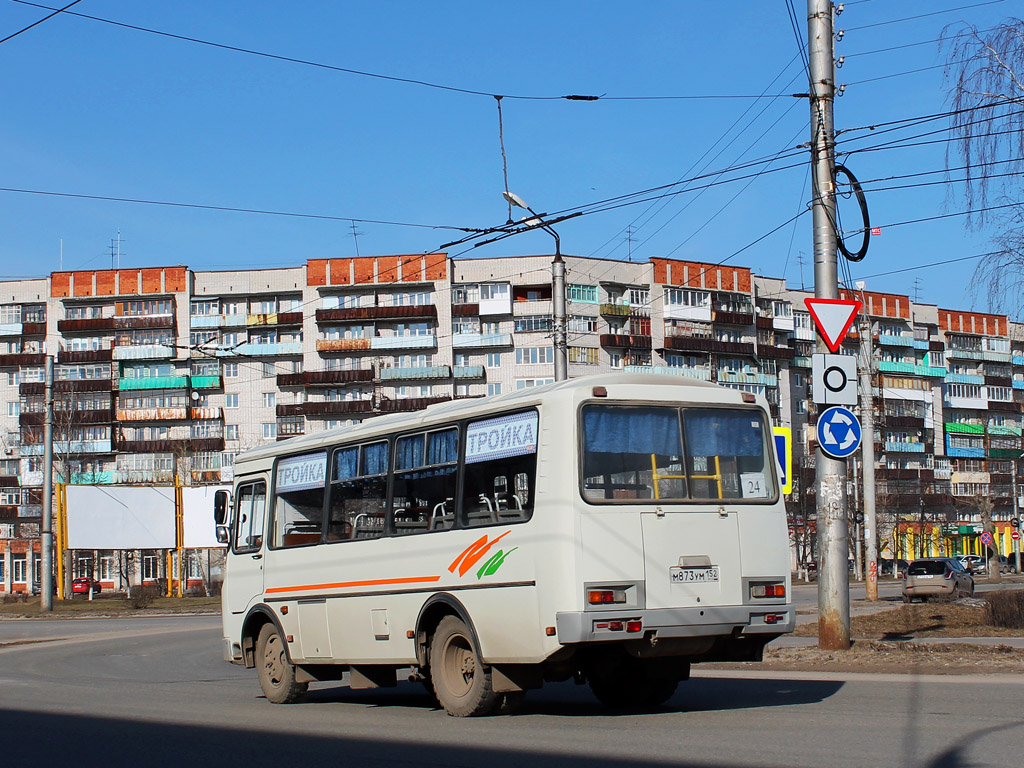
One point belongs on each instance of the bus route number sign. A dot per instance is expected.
(679, 575)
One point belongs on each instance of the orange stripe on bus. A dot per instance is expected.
(368, 583)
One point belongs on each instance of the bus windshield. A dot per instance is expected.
(658, 453)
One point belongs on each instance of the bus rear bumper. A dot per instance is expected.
(725, 621)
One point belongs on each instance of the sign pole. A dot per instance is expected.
(830, 499)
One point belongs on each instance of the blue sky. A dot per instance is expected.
(95, 109)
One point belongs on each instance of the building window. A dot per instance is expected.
(493, 359)
(230, 370)
(269, 370)
(583, 355)
(14, 409)
(269, 399)
(582, 324)
(528, 323)
(231, 400)
(19, 571)
(687, 298)
(530, 383)
(585, 294)
(534, 355)
(230, 431)
(494, 389)
(270, 431)
(615, 360)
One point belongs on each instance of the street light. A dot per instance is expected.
(557, 285)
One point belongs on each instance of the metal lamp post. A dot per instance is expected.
(557, 286)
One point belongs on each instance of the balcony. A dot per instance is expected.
(85, 355)
(480, 340)
(732, 318)
(618, 340)
(738, 377)
(68, 447)
(469, 372)
(144, 322)
(410, 404)
(325, 408)
(615, 310)
(274, 318)
(413, 373)
(309, 378)
(353, 314)
(995, 357)
(964, 354)
(897, 446)
(1018, 360)
(266, 349)
(964, 378)
(776, 353)
(702, 374)
(10, 329)
(36, 418)
(92, 478)
(907, 422)
(426, 341)
(1004, 429)
(154, 382)
(206, 321)
(37, 328)
(929, 370)
(892, 366)
(922, 344)
(66, 385)
(152, 414)
(1004, 453)
(698, 344)
(22, 358)
(342, 345)
(171, 445)
(465, 310)
(894, 340)
(205, 382)
(801, 361)
(965, 453)
(84, 324)
(144, 352)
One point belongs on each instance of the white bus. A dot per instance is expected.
(613, 529)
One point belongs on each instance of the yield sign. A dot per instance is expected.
(833, 318)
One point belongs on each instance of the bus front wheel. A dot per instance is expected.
(461, 681)
(276, 673)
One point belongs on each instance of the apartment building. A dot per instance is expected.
(169, 372)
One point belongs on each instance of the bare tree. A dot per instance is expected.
(983, 506)
(985, 83)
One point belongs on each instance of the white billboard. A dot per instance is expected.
(197, 509)
(112, 517)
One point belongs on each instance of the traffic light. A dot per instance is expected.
(1015, 522)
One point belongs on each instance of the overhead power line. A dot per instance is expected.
(921, 16)
(394, 78)
(37, 23)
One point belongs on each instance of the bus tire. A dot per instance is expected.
(275, 671)
(462, 682)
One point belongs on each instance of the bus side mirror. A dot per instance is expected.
(221, 501)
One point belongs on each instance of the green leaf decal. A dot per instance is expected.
(494, 563)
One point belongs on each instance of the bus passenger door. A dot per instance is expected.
(243, 583)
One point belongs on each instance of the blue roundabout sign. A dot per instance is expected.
(839, 432)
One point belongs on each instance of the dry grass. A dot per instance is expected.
(940, 619)
(108, 606)
(899, 658)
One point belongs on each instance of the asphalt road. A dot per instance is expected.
(154, 692)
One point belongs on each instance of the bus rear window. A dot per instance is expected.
(656, 453)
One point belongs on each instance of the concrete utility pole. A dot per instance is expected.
(833, 573)
(867, 423)
(558, 319)
(46, 539)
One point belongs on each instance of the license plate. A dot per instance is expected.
(679, 575)
(925, 576)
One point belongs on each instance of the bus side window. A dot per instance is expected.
(250, 516)
(501, 468)
(299, 500)
(426, 466)
(359, 491)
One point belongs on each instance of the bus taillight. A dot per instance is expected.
(768, 589)
(606, 596)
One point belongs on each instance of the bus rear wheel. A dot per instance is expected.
(276, 673)
(461, 681)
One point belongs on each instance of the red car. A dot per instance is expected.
(81, 586)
